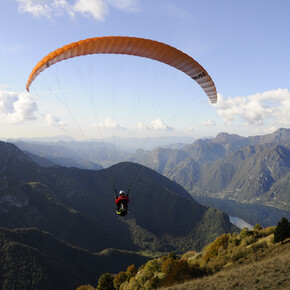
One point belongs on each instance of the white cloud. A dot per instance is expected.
(94, 8)
(53, 121)
(34, 7)
(97, 9)
(108, 124)
(155, 125)
(208, 123)
(142, 126)
(269, 107)
(16, 107)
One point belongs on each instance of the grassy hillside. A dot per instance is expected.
(249, 260)
(268, 270)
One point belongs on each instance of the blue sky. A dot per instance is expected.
(244, 46)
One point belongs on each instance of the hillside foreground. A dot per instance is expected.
(246, 260)
(267, 270)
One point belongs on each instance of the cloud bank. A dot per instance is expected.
(108, 124)
(155, 125)
(96, 9)
(271, 107)
(53, 121)
(16, 107)
(208, 123)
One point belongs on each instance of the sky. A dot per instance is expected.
(243, 45)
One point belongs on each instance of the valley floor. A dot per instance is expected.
(269, 271)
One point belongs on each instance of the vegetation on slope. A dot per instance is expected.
(227, 252)
(78, 207)
(32, 259)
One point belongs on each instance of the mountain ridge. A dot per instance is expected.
(163, 216)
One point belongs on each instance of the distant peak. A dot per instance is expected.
(226, 138)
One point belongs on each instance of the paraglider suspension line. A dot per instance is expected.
(134, 182)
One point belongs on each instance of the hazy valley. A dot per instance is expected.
(57, 212)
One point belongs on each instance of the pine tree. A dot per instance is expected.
(282, 231)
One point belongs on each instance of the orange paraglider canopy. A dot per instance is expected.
(130, 46)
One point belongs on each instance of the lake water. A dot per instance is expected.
(240, 223)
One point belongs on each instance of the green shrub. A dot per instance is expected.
(234, 241)
(154, 283)
(153, 266)
(245, 232)
(105, 282)
(257, 227)
(238, 254)
(249, 240)
(131, 271)
(255, 247)
(267, 231)
(119, 279)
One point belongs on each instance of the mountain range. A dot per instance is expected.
(45, 211)
(253, 170)
(250, 170)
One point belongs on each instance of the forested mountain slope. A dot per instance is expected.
(78, 206)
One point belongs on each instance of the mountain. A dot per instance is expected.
(33, 259)
(246, 169)
(93, 154)
(69, 154)
(254, 174)
(77, 206)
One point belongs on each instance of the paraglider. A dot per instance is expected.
(130, 46)
(136, 47)
(121, 202)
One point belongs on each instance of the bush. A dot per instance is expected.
(154, 283)
(153, 266)
(86, 287)
(105, 282)
(179, 272)
(188, 255)
(255, 247)
(245, 233)
(282, 231)
(239, 254)
(196, 271)
(257, 227)
(119, 279)
(213, 250)
(131, 271)
(248, 240)
(168, 265)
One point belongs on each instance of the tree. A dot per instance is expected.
(282, 231)
(257, 227)
(119, 279)
(105, 282)
(131, 271)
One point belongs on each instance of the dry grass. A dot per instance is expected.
(269, 269)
